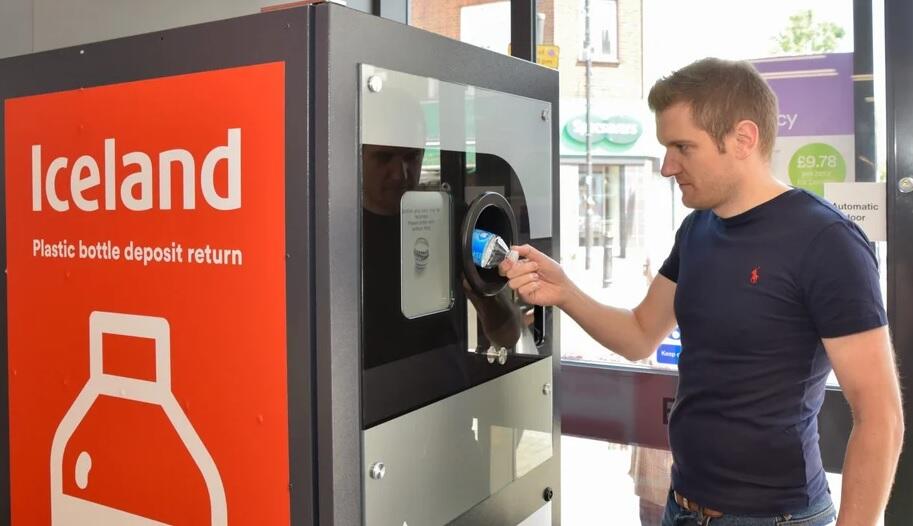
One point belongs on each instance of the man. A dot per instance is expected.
(771, 287)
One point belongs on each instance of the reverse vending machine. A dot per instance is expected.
(240, 286)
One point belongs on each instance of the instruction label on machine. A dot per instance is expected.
(425, 246)
(146, 301)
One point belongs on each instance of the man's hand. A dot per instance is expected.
(634, 334)
(538, 278)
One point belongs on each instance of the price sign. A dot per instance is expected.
(814, 164)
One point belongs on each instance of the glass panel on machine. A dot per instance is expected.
(457, 375)
(431, 149)
(445, 458)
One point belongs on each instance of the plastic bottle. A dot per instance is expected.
(489, 250)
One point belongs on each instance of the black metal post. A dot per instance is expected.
(898, 15)
(523, 29)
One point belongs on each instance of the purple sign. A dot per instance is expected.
(815, 93)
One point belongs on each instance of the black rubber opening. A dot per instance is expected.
(489, 211)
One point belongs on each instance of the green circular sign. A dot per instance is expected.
(815, 164)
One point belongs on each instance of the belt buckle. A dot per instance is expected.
(685, 503)
(692, 506)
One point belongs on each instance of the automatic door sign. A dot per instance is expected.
(146, 301)
(68, 509)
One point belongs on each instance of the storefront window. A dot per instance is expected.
(482, 23)
(621, 214)
(624, 214)
(603, 30)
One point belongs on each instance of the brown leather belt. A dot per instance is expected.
(690, 505)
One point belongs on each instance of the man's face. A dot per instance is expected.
(389, 172)
(704, 175)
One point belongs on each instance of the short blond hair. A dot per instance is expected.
(721, 93)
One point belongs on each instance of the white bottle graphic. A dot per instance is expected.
(67, 510)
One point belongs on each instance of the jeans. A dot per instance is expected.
(821, 513)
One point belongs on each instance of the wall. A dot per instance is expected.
(38, 25)
(563, 27)
(15, 27)
(621, 80)
(440, 16)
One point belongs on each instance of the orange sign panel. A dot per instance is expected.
(146, 302)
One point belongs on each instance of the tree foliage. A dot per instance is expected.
(805, 35)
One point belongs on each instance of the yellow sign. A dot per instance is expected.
(546, 55)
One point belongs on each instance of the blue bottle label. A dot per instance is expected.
(480, 240)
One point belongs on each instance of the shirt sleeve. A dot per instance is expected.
(669, 269)
(839, 279)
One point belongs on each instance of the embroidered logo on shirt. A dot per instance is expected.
(755, 275)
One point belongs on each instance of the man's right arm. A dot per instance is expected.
(634, 334)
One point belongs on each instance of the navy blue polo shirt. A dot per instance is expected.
(755, 295)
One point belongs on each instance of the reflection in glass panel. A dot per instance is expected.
(516, 452)
(410, 327)
(439, 160)
(452, 454)
(533, 448)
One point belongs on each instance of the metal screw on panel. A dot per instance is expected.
(905, 185)
(547, 389)
(548, 494)
(375, 83)
(502, 356)
(499, 354)
(544, 115)
(378, 470)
